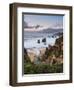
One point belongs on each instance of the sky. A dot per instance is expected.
(34, 22)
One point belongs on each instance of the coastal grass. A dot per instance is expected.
(30, 68)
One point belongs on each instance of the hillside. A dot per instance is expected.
(54, 54)
(51, 61)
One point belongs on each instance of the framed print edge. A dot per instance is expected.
(13, 44)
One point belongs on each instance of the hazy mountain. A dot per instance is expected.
(41, 33)
(49, 30)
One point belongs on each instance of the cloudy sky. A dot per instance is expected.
(39, 22)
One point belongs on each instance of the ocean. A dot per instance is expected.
(33, 42)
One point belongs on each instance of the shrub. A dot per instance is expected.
(42, 68)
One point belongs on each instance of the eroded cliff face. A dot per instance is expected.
(54, 54)
(48, 60)
(51, 54)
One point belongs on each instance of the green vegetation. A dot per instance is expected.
(42, 68)
(50, 62)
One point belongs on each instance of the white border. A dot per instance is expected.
(46, 77)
